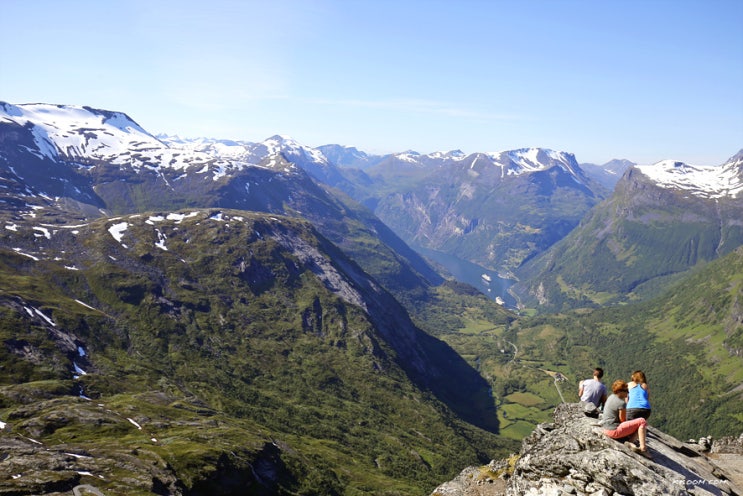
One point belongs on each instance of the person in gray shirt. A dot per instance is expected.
(593, 390)
(615, 424)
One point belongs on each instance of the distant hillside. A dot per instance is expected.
(608, 174)
(493, 209)
(349, 156)
(660, 222)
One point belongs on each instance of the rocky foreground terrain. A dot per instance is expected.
(571, 456)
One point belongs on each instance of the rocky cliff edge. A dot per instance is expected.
(571, 456)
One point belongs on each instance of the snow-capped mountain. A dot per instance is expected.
(451, 154)
(660, 220)
(349, 156)
(507, 163)
(86, 136)
(485, 169)
(71, 164)
(235, 150)
(85, 161)
(74, 132)
(493, 209)
(312, 160)
(609, 173)
(527, 160)
(699, 180)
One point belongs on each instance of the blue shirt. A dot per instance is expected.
(638, 398)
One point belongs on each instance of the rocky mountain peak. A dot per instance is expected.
(702, 181)
(525, 160)
(71, 131)
(572, 456)
(737, 158)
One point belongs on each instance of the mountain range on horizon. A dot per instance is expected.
(497, 210)
(201, 316)
(60, 116)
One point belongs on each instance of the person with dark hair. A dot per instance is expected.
(615, 423)
(638, 404)
(593, 390)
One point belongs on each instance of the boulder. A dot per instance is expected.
(572, 456)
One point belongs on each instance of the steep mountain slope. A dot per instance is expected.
(496, 210)
(222, 312)
(86, 162)
(661, 221)
(687, 340)
(349, 156)
(607, 174)
(218, 349)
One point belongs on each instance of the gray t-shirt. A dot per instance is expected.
(593, 391)
(610, 420)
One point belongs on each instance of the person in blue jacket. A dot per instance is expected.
(638, 403)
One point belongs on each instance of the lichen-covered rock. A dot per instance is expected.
(572, 456)
(728, 445)
(489, 480)
(29, 468)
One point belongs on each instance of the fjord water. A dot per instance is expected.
(485, 280)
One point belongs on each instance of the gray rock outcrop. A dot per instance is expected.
(572, 456)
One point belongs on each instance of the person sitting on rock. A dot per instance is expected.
(593, 390)
(615, 423)
(638, 404)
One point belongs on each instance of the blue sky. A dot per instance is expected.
(644, 80)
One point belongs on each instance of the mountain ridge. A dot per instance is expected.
(504, 227)
(644, 233)
(725, 180)
(252, 325)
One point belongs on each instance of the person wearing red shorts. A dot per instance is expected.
(615, 423)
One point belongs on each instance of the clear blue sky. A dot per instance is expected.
(639, 79)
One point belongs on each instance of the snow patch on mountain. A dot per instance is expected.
(451, 155)
(117, 230)
(529, 160)
(293, 150)
(75, 132)
(705, 181)
(85, 135)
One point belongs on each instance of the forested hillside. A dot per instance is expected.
(687, 340)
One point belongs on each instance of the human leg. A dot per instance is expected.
(641, 435)
(629, 428)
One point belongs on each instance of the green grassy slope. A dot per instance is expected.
(688, 341)
(631, 247)
(230, 351)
